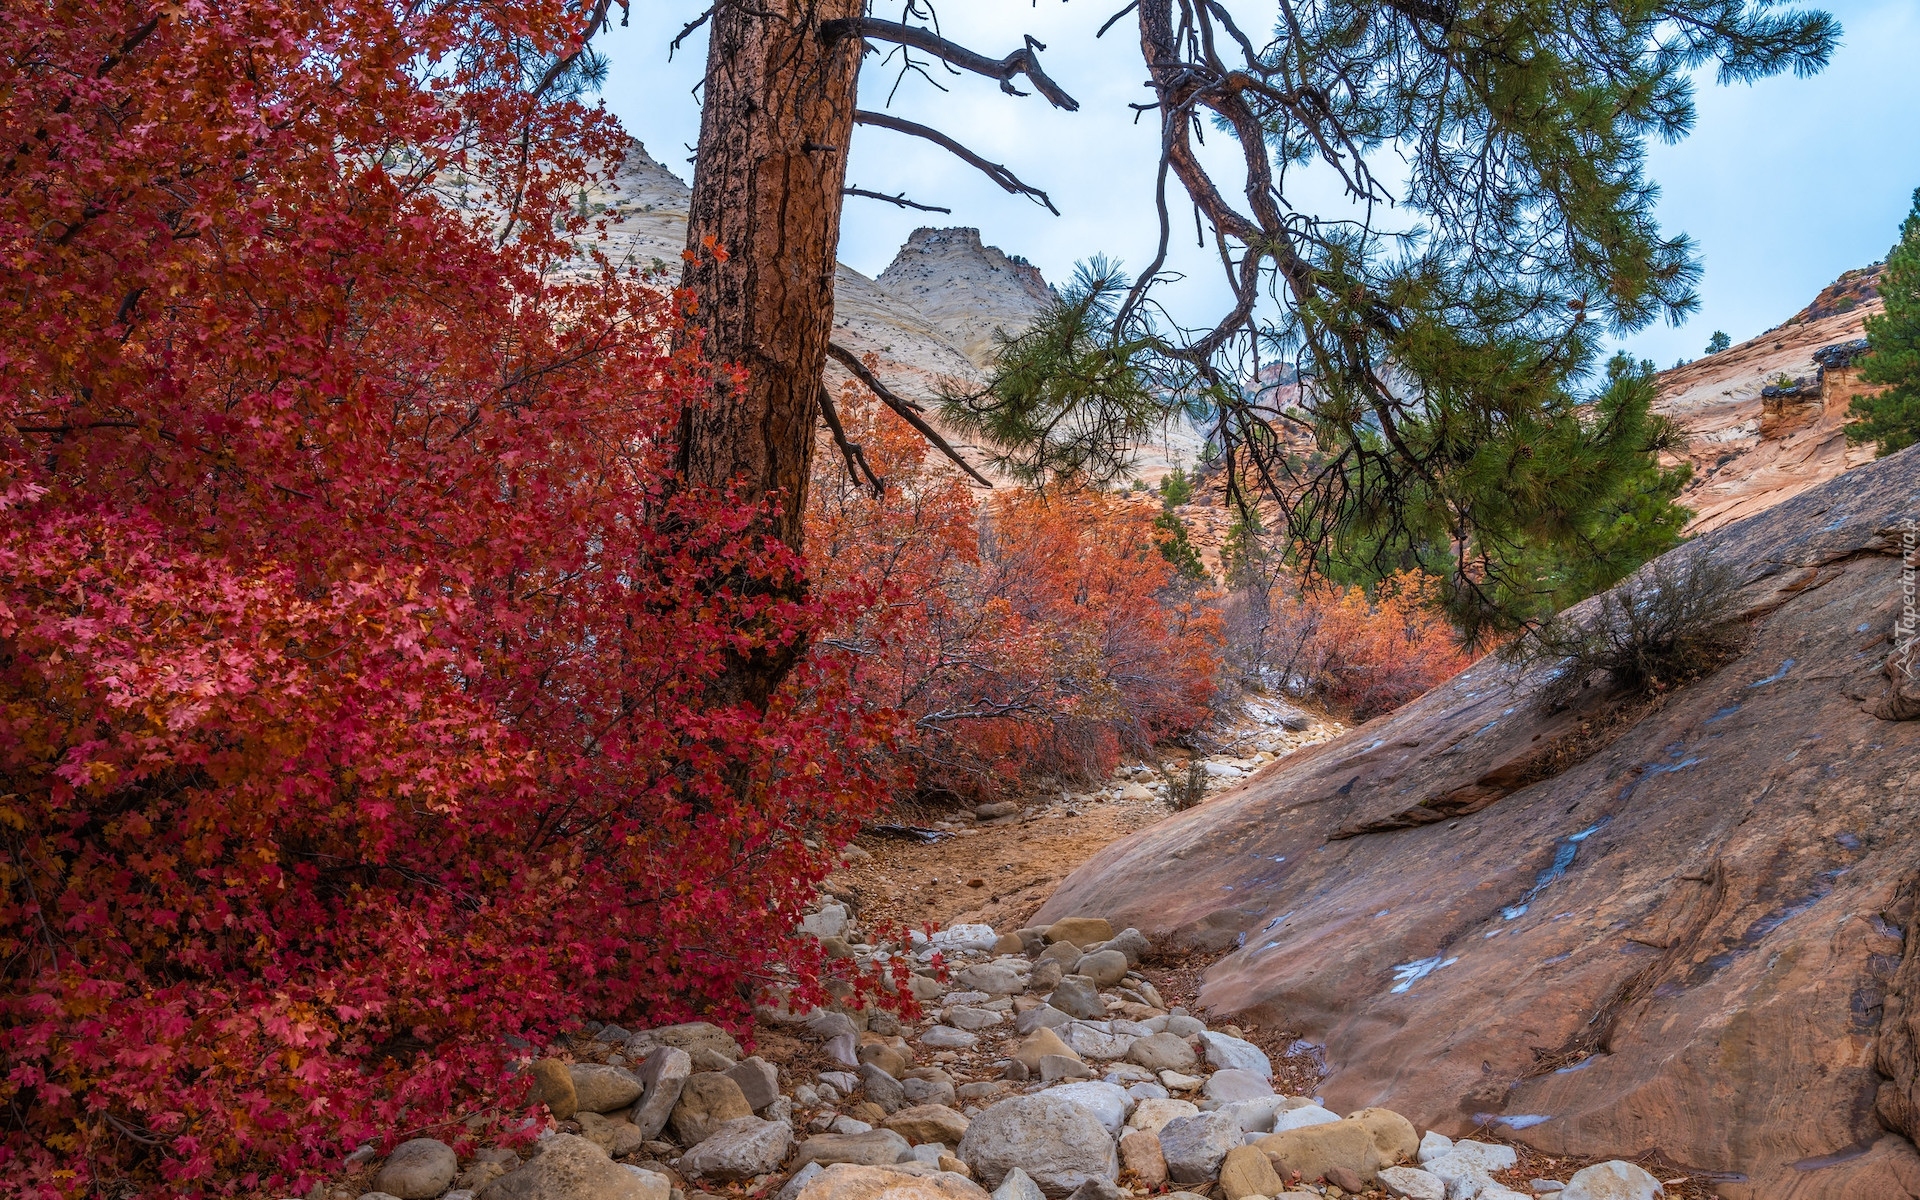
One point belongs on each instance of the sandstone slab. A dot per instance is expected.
(1140, 1153)
(1721, 935)
(1081, 931)
(602, 1089)
(929, 1123)
(1246, 1172)
(875, 1148)
(708, 1101)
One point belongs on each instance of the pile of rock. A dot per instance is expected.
(1049, 1067)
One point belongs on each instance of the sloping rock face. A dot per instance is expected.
(1749, 450)
(1699, 941)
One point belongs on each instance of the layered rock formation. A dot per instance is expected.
(1751, 450)
(930, 318)
(1699, 941)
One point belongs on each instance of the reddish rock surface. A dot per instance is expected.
(1699, 941)
(1747, 458)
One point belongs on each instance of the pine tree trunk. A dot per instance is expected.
(777, 113)
(776, 118)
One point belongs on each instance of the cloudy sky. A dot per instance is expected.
(1783, 185)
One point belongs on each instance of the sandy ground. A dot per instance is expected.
(996, 874)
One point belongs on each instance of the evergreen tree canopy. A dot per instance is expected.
(1892, 418)
(1436, 338)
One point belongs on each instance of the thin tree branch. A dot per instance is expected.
(906, 408)
(692, 25)
(851, 451)
(900, 200)
(1007, 180)
(1021, 62)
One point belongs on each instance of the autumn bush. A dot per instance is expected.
(1361, 651)
(1022, 635)
(354, 640)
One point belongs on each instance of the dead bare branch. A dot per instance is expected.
(1008, 181)
(1023, 61)
(908, 410)
(855, 455)
(900, 199)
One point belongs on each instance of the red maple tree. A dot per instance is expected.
(353, 639)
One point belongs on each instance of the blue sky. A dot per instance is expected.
(1783, 185)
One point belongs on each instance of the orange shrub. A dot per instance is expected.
(1031, 634)
(1359, 653)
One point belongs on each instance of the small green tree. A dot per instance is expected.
(1718, 342)
(1176, 489)
(1177, 548)
(1891, 419)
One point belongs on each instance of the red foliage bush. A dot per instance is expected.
(1363, 654)
(1027, 635)
(353, 644)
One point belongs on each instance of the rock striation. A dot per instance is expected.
(1698, 941)
(1765, 419)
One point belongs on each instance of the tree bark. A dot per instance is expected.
(775, 121)
(763, 228)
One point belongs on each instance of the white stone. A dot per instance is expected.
(1411, 1183)
(1226, 1087)
(1194, 1146)
(1468, 1168)
(1060, 1144)
(1176, 1082)
(1105, 1101)
(1254, 1116)
(962, 1017)
(801, 1178)
(1232, 1053)
(1017, 1185)
(1300, 1118)
(1152, 1115)
(1613, 1180)
(966, 937)
(740, 1149)
(418, 1170)
(830, 921)
(944, 1037)
(1433, 1145)
(1089, 1042)
(1001, 977)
